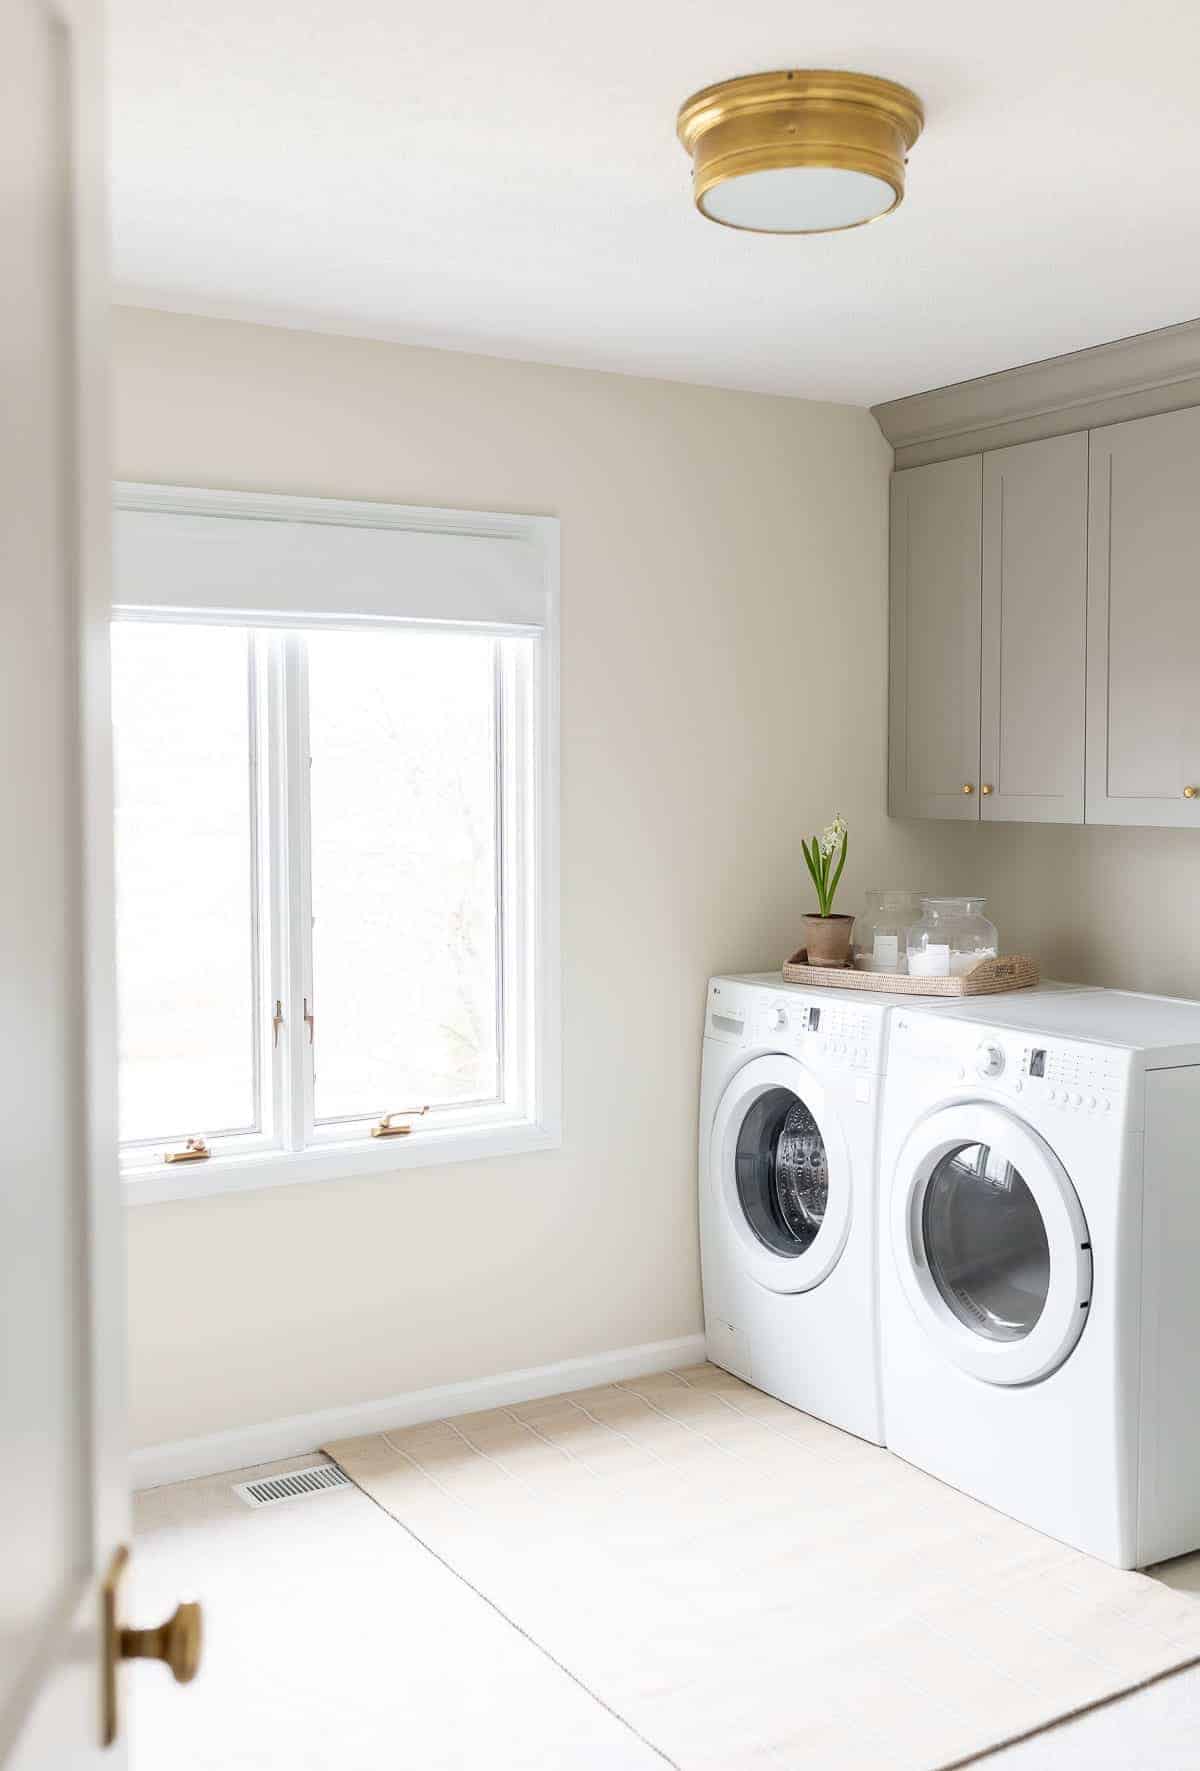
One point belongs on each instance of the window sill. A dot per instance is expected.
(164, 1182)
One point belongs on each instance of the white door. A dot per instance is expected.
(990, 1243)
(781, 1170)
(63, 1493)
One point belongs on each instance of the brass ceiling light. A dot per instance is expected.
(803, 151)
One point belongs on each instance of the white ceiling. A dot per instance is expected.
(505, 178)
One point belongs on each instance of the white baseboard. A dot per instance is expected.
(243, 1447)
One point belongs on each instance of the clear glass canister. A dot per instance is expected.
(952, 936)
(880, 932)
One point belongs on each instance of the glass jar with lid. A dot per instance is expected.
(880, 933)
(951, 937)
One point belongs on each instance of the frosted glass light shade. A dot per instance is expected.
(800, 151)
(798, 200)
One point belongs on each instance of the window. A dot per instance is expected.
(405, 890)
(189, 928)
(335, 844)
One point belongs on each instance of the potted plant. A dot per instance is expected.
(826, 936)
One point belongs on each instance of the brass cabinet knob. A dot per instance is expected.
(968, 787)
(178, 1642)
(1191, 792)
(986, 788)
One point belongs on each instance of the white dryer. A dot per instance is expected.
(1039, 1235)
(788, 1120)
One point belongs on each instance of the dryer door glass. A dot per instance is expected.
(986, 1243)
(782, 1172)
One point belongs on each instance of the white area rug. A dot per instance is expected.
(748, 1588)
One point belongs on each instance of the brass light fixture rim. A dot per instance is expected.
(747, 93)
(799, 117)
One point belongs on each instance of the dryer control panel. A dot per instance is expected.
(1076, 1078)
(1071, 1076)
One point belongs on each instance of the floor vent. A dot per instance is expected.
(268, 1489)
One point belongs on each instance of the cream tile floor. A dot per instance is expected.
(337, 1641)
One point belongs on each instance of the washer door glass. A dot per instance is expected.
(986, 1243)
(782, 1172)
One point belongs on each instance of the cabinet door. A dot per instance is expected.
(933, 764)
(1143, 691)
(1034, 631)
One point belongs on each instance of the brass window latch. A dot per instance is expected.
(386, 1129)
(195, 1150)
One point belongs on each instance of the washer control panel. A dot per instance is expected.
(728, 1013)
(790, 1017)
(777, 1018)
(837, 1033)
(846, 1035)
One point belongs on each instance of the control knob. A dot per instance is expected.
(776, 1019)
(989, 1060)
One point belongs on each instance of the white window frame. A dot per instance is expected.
(412, 570)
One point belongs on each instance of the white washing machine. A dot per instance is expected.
(1039, 1256)
(789, 1105)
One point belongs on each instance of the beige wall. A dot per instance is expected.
(1098, 904)
(723, 689)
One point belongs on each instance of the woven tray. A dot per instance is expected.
(988, 978)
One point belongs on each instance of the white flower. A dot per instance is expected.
(832, 835)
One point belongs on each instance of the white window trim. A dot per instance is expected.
(515, 573)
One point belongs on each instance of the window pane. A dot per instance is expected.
(405, 931)
(185, 879)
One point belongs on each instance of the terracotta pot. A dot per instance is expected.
(827, 939)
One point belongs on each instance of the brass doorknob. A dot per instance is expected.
(968, 787)
(986, 788)
(178, 1642)
(1191, 792)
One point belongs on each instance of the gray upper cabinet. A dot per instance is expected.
(1034, 629)
(1143, 687)
(936, 582)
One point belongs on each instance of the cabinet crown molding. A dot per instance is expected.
(1130, 378)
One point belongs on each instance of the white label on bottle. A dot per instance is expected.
(887, 951)
(933, 963)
